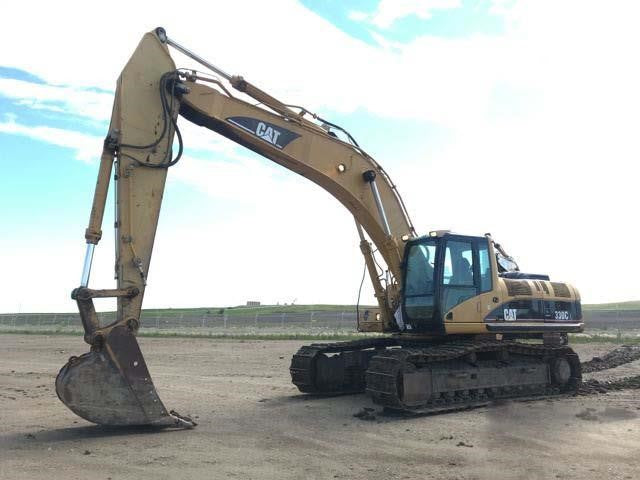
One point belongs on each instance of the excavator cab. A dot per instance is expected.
(465, 285)
(441, 271)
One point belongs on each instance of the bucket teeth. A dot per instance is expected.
(112, 386)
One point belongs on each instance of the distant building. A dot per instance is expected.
(253, 303)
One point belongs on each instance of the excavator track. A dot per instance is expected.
(467, 374)
(335, 368)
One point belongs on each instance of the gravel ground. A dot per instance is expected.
(254, 424)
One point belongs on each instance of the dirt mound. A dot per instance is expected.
(615, 358)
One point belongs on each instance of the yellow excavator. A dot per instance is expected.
(456, 308)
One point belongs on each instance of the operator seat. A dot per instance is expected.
(464, 273)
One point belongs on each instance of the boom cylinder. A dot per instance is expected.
(370, 177)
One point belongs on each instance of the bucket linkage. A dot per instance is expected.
(111, 384)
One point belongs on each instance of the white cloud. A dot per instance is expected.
(358, 16)
(389, 11)
(86, 147)
(449, 81)
(231, 178)
(62, 99)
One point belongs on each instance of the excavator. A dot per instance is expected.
(459, 325)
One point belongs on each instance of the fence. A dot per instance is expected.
(612, 319)
(168, 320)
(305, 322)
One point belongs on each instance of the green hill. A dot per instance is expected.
(594, 307)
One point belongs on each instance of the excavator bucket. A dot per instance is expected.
(111, 385)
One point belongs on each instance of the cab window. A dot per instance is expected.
(419, 285)
(458, 274)
(485, 267)
(458, 263)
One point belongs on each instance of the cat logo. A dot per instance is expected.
(274, 135)
(269, 134)
(510, 314)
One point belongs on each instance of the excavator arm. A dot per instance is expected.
(111, 384)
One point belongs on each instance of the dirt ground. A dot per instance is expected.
(253, 424)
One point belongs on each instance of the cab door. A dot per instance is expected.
(467, 273)
(460, 272)
(419, 295)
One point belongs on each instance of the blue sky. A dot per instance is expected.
(454, 19)
(517, 118)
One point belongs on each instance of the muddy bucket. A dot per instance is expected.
(111, 385)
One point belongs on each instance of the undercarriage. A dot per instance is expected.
(435, 376)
